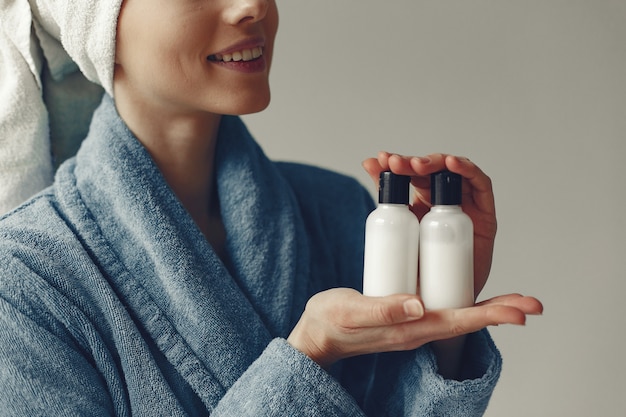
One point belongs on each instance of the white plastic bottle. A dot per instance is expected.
(446, 247)
(391, 241)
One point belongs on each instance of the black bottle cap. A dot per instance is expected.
(445, 189)
(393, 188)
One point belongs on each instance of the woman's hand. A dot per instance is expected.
(340, 323)
(478, 200)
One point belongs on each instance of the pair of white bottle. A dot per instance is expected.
(442, 245)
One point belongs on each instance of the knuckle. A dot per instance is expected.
(456, 326)
(381, 313)
(457, 329)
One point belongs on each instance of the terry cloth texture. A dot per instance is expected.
(113, 303)
(45, 44)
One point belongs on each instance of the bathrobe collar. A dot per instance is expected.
(210, 321)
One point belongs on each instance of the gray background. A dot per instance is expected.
(534, 91)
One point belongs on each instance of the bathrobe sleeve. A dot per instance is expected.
(44, 370)
(36, 378)
(283, 381)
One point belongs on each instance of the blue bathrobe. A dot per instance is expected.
(112, 303)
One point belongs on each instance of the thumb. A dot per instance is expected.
(389, 310)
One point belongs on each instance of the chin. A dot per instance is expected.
(251, 106)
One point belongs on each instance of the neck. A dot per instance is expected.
(187, 161)
(183, 148)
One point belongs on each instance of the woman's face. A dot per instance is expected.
(190, 56)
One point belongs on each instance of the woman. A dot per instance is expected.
(167, 270)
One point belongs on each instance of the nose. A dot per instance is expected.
(246, 11)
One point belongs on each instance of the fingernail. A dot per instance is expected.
(423, 159)
(413, 308)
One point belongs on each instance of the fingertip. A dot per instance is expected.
(502, 314)
(413, 308)
(453, 163)
(383, 159)
(538, 307)
(459, 159)
(368, 163)
(530, 305)
(394, 158)
(378, 163)
(420, 164)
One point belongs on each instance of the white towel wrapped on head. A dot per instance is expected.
(57, 37)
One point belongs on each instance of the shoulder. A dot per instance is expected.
(34, 218)
(41, 261)
(28, 221)
(38, 244)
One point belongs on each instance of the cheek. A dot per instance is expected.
(143, 35)
(148, 58)
(271, 29)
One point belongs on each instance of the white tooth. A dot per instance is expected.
(227, 57)
(256, 52)
(237, 56)
(246, 54)
(219, 57)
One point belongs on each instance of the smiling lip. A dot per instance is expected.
(246, 56)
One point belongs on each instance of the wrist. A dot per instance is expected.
(301, 341)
